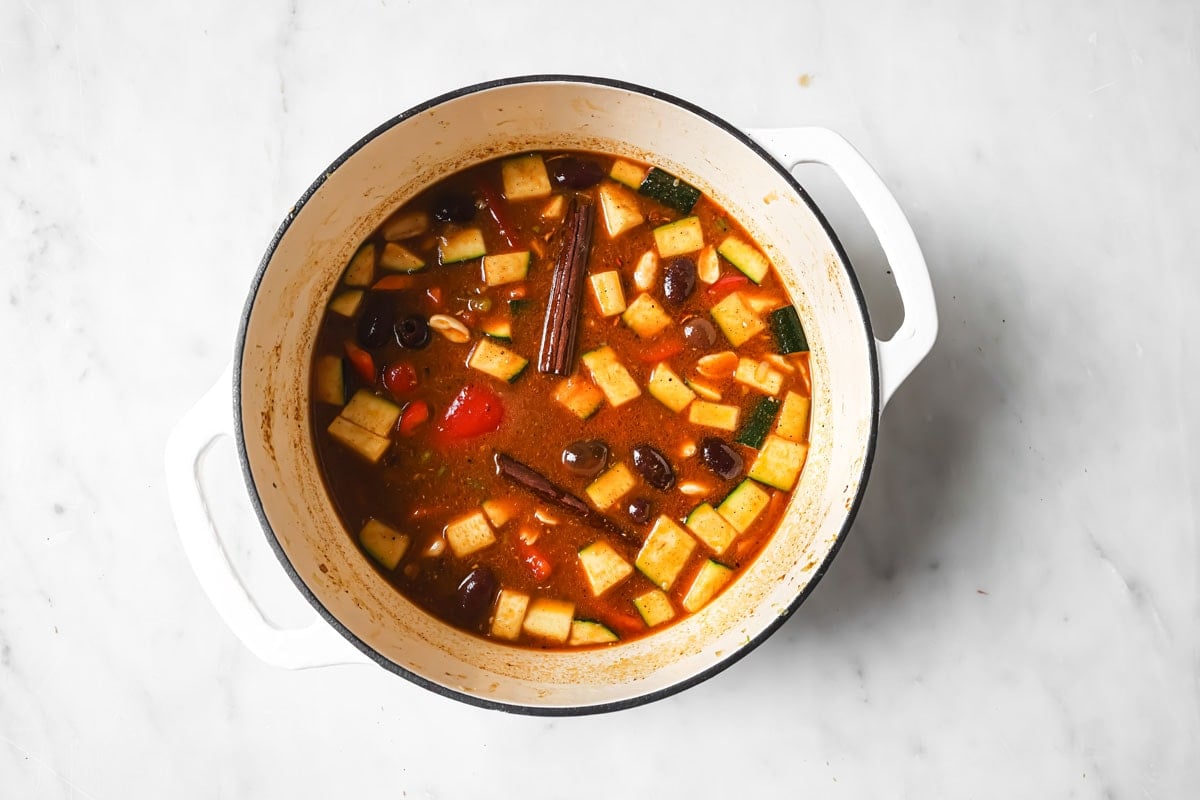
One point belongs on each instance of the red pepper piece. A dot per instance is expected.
(727, 285)
(474, 411)
(363, 363)
(496, 208)
(412, 417)
(400, 378)
(532, 557)
(393, 283)
(660, 350)
(624, 624)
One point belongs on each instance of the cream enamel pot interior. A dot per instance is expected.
(361, 617)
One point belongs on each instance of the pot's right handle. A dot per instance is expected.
(316, 645)
(898, 356)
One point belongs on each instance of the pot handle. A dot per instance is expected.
(901, 354)
(316, 645)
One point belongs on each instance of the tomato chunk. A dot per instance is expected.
(412, 417)
(727, 285)
(363, 363)
(400, 378)
(661, 350)
(531, 557)
(474, 411)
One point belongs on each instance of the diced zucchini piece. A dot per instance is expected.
(758, 375)
(346, 303)
(705, 390)
(549, 619)
(779, 463)
(505, 268)
(711, 579)
(669, 190)
(708, 265)
(525, 177)
(372, 412)
(579, 396)
(665, 551)
(469, 534)
(668, 388)
(497, 329)
(461, 245)
(555, 207)
(679, 237)
(758, 425)
(611, 376)
(510, 613)
(360, 440)
(383, 543)
(361, 269)
(399, 258)
(645, 274)
(611, 486)
(629, 174)
(713, 415)
(788, 332)
(496, 360)
(606, 289)
(517, 307)
(619, 208)
(793, 418)
(406, 226)
(736, 320)
(745, 257)
(330, 380)
(743, 505)
(655, 607)
(498, 511)
(586, 631)
(646, 317)
(603, 566)
(711, 528)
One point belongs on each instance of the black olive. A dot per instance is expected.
(412, 332)
(474, 596)
(454, 207)
(586, 457)
(639, 510)
(699, 332)
(575, 173)
(679, 280)
(653, 467)
(721, 458)
(375, 324)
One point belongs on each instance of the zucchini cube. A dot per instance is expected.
(711, 579)
(610, 487)
(525, 177)
(603, 566)
(549, 619)
(665, 551)
(655, 607)
(469, 534)
(619, 208)
(383, 543)
(668, 388)
(510, 613)
(779, 462)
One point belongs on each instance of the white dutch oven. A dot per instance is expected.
(362, 617)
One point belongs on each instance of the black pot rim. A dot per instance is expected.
(551, 711)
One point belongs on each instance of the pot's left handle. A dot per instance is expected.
(316, 645)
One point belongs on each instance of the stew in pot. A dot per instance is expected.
(560, 399)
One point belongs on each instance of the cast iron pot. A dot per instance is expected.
(361, 617)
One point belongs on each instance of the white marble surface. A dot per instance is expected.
(1016, 613)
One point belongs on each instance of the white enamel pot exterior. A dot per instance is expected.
(852, 375)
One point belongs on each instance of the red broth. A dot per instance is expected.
(672, 441)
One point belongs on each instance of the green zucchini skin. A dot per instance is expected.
(788, 332)
(669, 190)
(758, 425)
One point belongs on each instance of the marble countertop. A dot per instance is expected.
(1016, 612)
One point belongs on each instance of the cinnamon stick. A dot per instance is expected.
(529, 478)
(560, 332)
